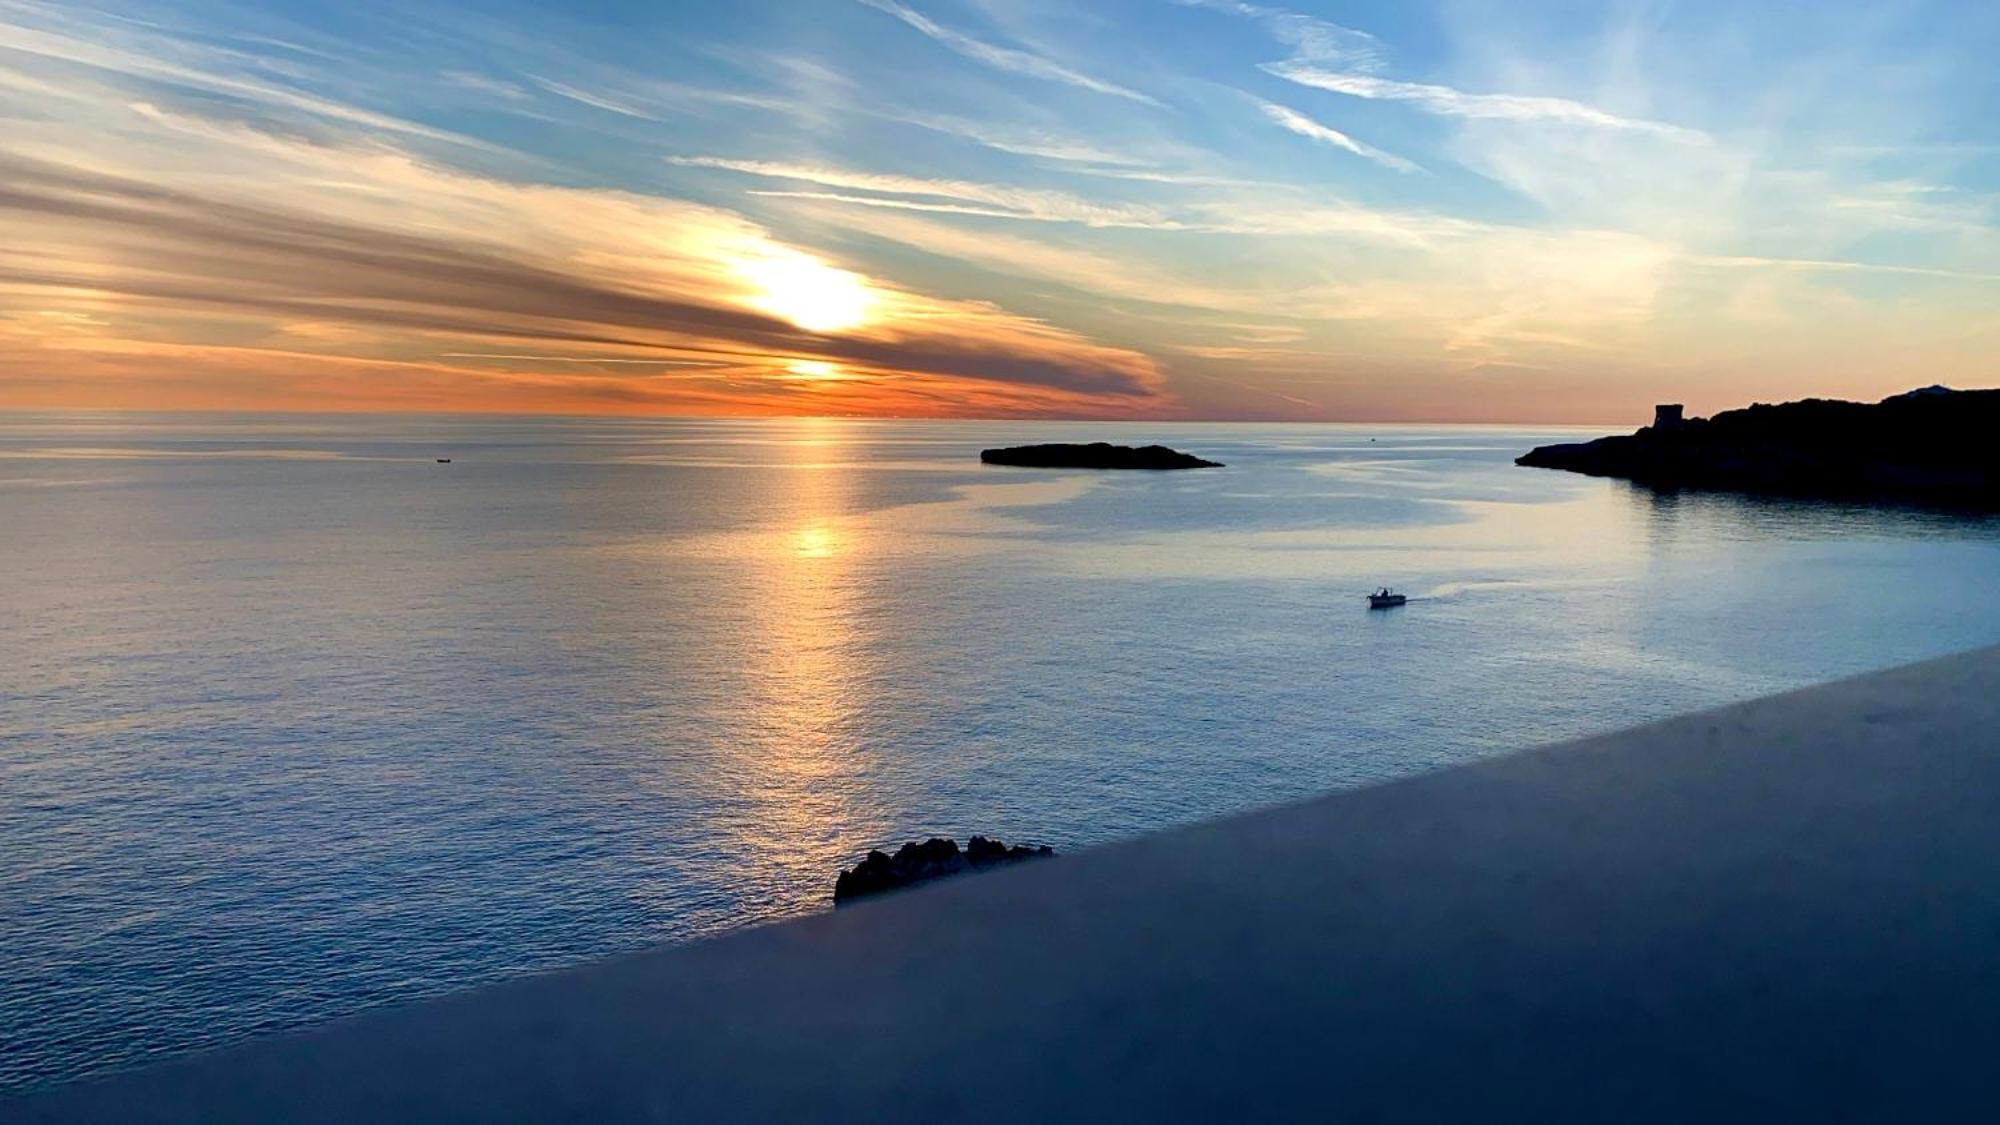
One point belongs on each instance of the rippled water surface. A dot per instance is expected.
(295, 720)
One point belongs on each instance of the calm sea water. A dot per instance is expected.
(295, 720)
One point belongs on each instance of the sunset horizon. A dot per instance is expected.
(998, 560)
(1200, 210)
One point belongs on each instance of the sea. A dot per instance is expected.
(298, 720)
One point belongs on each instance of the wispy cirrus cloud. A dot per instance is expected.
(606, 102)
(1017, 140)
(1450, 102)
(657, 100)
(1282, 214)
(1344, 60)
(74, 43)
(898, 203)
(1293, 120)
(485, 84)
(993, 201)
(1817, 265)
(1311, 38)
(1009, 59)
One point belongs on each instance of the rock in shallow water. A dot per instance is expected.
(919, 863)
(1095, 455)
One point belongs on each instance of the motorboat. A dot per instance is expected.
(1385, 598)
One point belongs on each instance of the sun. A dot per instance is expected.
(808, 292)
(814, 369)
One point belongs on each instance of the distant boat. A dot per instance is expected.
(444, 460)
(1385, 598)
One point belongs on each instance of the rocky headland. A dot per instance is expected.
(920, 863)
(1933, 446)
(1094, 455)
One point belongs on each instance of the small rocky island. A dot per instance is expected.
(1095, 455)
(920, 863)
(1933, 446)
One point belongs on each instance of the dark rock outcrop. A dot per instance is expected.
(1933, 447)
(920, 863)
(1095, 455)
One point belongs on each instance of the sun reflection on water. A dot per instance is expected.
(809, 660)
(816, 542)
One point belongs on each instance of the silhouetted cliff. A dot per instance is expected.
(1929, 446)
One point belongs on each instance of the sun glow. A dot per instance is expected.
(813, 369)
(808, 292)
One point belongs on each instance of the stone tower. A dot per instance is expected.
(1667, 416)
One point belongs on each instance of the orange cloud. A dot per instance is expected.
(85, 371)
(313, 275)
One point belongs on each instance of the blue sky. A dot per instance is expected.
(1134, 209)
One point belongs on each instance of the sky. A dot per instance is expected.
(1134, 209)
